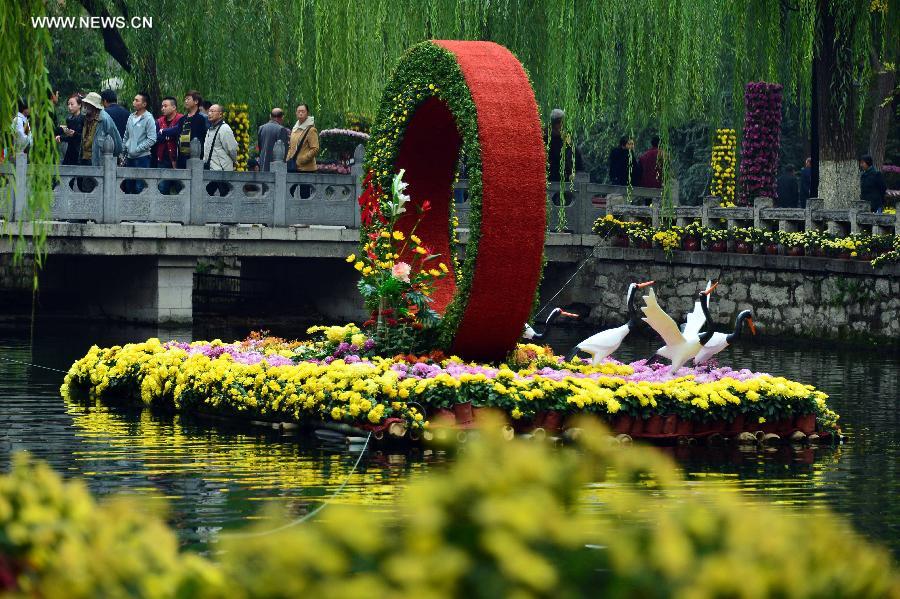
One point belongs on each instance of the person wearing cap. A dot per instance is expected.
(97, 126)
(555, 149)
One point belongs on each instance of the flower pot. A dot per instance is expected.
(779, 426)
(709, 427)
(481, 413)
(718, 246)
(645, 244)
(772, 249)
(551, 421)
(463, 413)
(742, 247)
(444, 417)
(684, 428)
(670, 424)
(805, 423)
(818, 252)
(653, 425)
(844, 256)
(737, 425)
(620, 241)
(691, 244)
(795, 250)
(864, 256)
(623, 424)
(637, 426)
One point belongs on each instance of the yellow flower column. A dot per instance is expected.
(239, 121)
(724, 159)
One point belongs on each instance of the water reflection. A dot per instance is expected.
(218, 476)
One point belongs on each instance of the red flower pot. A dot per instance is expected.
(620, 241)
(772, 249)
(805, 423)
(742, 247)
(710, 427)
(444, 416)
(645, 245)
(550, 420)
(481, 413)
(464, 413)
(670, 425)
(795, 250)
(623, 424)
(818, 252)
(737, 425)
(781, 426)
(684, 428)
(654, 425)
(718, 246)
(637, 426)
(844, 256)
(691, 244)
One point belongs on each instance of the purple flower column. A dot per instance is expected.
(762, 138)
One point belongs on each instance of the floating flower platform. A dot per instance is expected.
(340, 382)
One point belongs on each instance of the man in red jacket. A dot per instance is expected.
(167, 149)
(651, 165)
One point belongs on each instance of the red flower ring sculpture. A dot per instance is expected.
(447, 96)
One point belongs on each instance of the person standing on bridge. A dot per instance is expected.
(98, 124)
(192, 126)
(624, 169)
(270, 133)
(118, 113)
(220, 149)
(556, 143)
(650, 164)
(167, 149)
(304, 146)
(140, 137)
(22, 128)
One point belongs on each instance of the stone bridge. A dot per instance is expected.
(134, 255)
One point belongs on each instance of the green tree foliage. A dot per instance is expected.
(24, 52)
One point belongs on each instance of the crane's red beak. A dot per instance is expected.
(644, 284)
(568, 314)
(711, 287)
(751, 325)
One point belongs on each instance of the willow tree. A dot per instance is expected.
(23, 77)
(229, 51)
(660, 63)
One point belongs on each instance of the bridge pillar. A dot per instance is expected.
(174, 290)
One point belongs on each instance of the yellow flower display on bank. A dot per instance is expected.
(724, 166)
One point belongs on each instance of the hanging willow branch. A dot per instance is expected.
(23, 54)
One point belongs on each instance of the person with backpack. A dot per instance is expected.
(220, 149)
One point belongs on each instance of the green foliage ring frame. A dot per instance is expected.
(449, 96)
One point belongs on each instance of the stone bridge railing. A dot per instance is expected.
(193, 196)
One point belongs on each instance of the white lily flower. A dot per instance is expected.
(400, 198)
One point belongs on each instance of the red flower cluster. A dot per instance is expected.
(369, 203)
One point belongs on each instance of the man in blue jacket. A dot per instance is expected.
(112, 107)
(140, 137)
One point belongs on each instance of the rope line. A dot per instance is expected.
(577, 270)
(318, 509)
(33, 365)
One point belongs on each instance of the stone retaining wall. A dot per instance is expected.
(790, 297)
